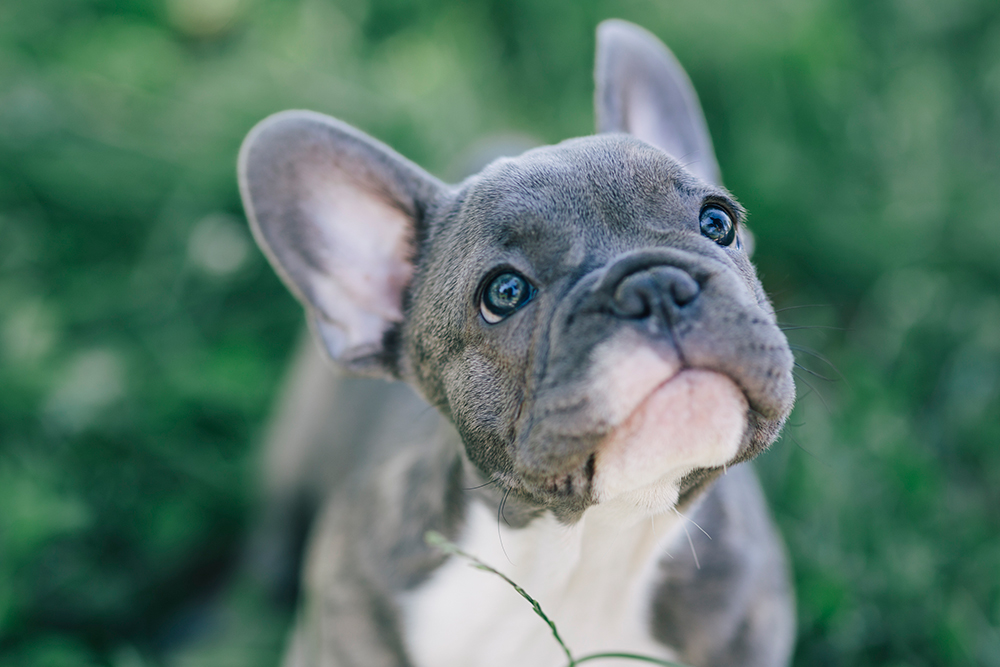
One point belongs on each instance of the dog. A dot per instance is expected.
(600, 355)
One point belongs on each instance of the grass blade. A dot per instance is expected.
(439, 541)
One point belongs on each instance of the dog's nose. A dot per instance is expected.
(656, 291)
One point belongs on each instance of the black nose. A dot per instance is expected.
(657, 291)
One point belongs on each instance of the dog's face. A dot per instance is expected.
(605, 331)
(586, 314)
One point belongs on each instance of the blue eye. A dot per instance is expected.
(503, 295)
(717, 225)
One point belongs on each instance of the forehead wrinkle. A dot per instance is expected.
(541, 203)
(521, 232)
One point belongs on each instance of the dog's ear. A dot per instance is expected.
(337, 214)
(643, 90)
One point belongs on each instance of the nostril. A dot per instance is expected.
(633, 297)
(683, 288)
(644, 293)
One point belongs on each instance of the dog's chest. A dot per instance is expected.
(595, 580)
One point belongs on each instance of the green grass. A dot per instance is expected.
(142, 337)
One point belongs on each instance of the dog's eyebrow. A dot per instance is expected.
(522, 231)
(721, 195)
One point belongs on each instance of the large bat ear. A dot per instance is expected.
(642, 90)
(337, 214)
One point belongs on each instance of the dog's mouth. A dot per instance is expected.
(666, 418)
(669, 421)
(695, 418)
(648, 412)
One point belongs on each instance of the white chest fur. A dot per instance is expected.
(593, 579)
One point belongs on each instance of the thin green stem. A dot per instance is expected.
(436, 539)
(439, 541)
(626, 656)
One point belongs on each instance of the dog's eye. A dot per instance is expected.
(503, 295)
(717, 225)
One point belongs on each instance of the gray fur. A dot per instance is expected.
(725, 598)
(595, 223)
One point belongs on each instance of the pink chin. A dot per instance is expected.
(695, 419)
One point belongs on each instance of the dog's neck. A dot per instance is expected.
(592, 578)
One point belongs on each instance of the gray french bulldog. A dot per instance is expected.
(600, 353)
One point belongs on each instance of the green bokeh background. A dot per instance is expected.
(142, 336)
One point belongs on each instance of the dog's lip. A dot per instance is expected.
(629, 439)
(696, 418)
(673, 377)
(646, 399)
(754, 405)
(616, 430)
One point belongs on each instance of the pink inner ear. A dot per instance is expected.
(365, 255)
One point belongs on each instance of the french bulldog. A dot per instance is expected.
(600, 355)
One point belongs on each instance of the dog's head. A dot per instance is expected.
(586, 314)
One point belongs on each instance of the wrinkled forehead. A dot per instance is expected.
(607, 191)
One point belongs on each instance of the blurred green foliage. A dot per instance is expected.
(142, 336)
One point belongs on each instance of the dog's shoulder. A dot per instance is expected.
(367, 544)
(725, 598)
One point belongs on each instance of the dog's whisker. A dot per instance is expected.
(813, 353)
(811, 305)
(797, 327)
(799, 445)
(814, 373)
(693, 522)
(808, 392)
(808, 384)
(503, 502)
(499, 532)
(484, 484)
(694, 553)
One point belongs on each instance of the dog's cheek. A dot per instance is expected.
(733, 335)
(431, 340)
(484, 406)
